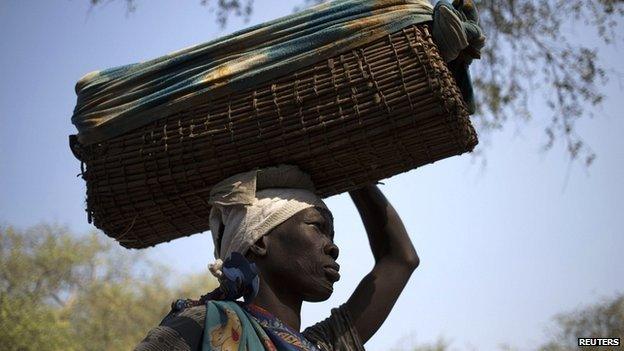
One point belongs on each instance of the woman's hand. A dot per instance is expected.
(395, 260)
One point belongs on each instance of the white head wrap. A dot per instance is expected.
(248, 205)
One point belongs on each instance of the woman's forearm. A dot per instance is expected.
(395, 260)
(386, 233)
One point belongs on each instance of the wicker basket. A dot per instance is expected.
(362, 116)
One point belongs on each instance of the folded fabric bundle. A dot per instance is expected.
(117, 100)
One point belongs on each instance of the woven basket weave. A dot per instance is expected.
(383, 109)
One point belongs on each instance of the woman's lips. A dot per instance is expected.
(331, 271)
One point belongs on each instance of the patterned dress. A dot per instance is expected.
(234, 326)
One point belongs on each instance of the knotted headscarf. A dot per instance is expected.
(248, 205)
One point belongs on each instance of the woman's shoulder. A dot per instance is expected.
(181, 330)
(336, 332)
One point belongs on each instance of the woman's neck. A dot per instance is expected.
(285, 307)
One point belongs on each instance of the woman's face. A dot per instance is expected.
(301, 255)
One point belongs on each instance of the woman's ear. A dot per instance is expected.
(259, 248)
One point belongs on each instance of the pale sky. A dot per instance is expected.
(503, 248)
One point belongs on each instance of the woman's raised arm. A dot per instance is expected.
(395, 260)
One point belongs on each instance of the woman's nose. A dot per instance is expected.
(332, 250)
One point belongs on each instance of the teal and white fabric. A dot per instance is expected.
(459, 38)
(114, 101)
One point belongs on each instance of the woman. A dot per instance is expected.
(274, 243)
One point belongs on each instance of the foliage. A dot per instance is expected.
(59, 291)
(533, 47)
(601, 320)
(440, 345)
(604, 319)
(532, 50)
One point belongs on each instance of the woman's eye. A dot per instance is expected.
(318, 225)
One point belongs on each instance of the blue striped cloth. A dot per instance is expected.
(114, 101)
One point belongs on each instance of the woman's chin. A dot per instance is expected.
(322, 292)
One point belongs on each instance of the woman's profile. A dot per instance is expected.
(274, 245)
